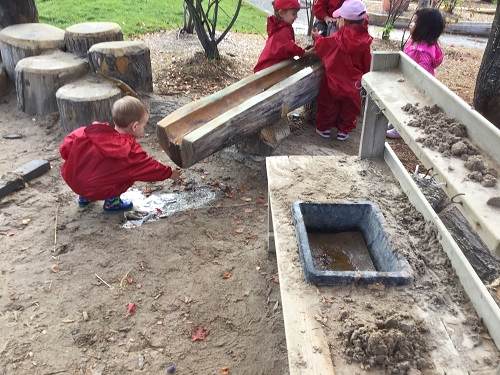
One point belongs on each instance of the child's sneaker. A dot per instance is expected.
(116, 205)
(342, 136)
(83, 202)
(324, 133)
(393, 134)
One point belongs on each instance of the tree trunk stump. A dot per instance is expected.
(127, 61)
(266, 140)
(28, 39)
(80, 37)
(485, 263)
(84, 101)
(39, 77)
(14, 12)
(4, 81)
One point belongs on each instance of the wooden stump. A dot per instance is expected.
(28, 39)
(4, 81)
(84, 101)
(80, 37)
(39, 77)
(266, 140)
(127, 61)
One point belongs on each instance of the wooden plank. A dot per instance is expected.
(199, 129)
(308, 351)
(484, 304)
(393, 89)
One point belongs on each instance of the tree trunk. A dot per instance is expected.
(13, 12)
(487, 92)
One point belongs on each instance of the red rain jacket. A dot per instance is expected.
(323, 8)
(101, 163)
(346, 56)
(280, 44)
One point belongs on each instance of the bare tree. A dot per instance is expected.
(487, 91)
(13, 12)
(396, 9)
(205, 23)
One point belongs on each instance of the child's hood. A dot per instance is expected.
(274, 24)
(354, 38)
(108, 141)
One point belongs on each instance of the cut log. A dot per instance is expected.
(201, 128)
(127, 61)
(39, 77)
(485, 263)
(80, 37)
(84, 101)
(4, 81)
(265, 141)
(28, 39)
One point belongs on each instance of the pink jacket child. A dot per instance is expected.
(427, 56)
(423, 48)
(281, 44)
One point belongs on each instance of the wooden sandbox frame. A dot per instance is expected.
(393, 81)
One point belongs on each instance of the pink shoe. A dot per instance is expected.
(342, 136)
(393, 134)
(324, 133)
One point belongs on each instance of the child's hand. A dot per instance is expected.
(309, 53)
(328, 19)
(176, 174)
(314, 33)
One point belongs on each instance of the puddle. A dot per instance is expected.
(345, 251)
(161, 205)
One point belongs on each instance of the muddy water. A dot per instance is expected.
(345, 251)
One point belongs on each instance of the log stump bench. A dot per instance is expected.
(129, 62)
(25, 40)
(80, 37)
(84, 101)
(39, 77)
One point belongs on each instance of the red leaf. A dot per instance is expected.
(131, 308)
(229, 195)
(199, 333)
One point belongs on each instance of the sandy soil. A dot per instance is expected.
(206, 293)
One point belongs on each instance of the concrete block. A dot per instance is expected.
(7, 187)
(33, 169)
(364, 217)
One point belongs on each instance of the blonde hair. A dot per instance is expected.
(128, 110)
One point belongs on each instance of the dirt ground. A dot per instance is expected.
(81, 294)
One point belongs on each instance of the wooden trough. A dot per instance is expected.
(201, 128)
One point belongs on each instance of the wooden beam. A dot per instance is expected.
(201, 128)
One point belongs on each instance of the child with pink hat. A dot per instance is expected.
(346, 57)
(281, 44)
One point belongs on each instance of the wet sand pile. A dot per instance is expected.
(449, 137)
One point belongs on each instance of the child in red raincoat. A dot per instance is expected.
(102, 162)
(323, 10)
(281, 44)
(346, 56)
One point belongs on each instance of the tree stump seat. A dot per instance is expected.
(84, 101)
(4, 80)
(80, 37)
(27, 39)
(128, 61)
(38, 78)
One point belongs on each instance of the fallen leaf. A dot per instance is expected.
(224, 370)
(10, 234)
(26, 221)
(55, 268)
(246, 199)
(239, 230)
(131, 307)
(229, 195)
(186, 299)
(243, 190)
(259, 201)
(239, 222)
(199, 333)
(248, 210)
(130, 280)
(276, 279)
(227, 275)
